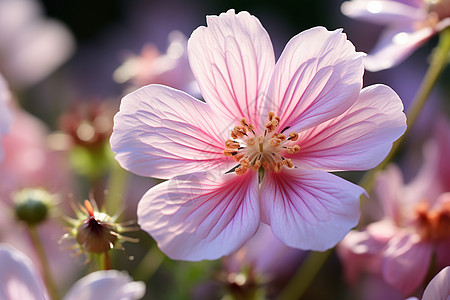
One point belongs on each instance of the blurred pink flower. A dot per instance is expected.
(20, 281)
(31, 46)
(29, 163)
(28, 160)
(314, 90)
(5, 113)
(415, 225)
(171, 68)
(409, 23)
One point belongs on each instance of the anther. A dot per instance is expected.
(293, 136)
(294, 149)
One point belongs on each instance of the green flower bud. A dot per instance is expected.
(32, 205)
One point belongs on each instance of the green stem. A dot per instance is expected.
(301, 280)
(116, 188)
(148, 265)
(438, 63)
(48, 280)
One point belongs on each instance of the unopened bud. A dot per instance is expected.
(32, 205)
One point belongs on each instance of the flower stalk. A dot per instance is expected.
(48, 280)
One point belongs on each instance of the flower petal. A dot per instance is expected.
(383, 12)
(360, 138)
(389, 188)
(359, 251)
(400, 261)
(18, 277)
(395, 45)
(309, 209)
(439, 286)
(232, 59)
(111, 284)
(201, 215)
(162, 132)
(318, 77)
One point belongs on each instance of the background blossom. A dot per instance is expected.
(408, 25)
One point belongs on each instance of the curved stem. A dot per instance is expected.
(438, 63)
(48, 280)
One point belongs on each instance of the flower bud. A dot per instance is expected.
(97, 232)
(32, 205)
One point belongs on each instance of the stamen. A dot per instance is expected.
(264, 151)
(293, 136)
(294, 149)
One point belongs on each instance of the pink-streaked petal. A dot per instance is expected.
(405, 255)
(317, 77)
(232, 59)
(395, 45)
(439, 286)
(309, 209)
(162, 132)
(18, 277)
(111, 284)
(383, 12)
(201, 215)
(389, 188)
(360, 138)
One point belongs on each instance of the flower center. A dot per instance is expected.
(265, 150)
(439, 8)
(433, 224)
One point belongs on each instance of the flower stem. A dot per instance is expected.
(148, 265)
(48, 280)
(439, 61)
(301, 280)
(116, 187)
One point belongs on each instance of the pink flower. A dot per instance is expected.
(20, 281)
(295, 120)
(409, 24)
(171, 68)
(416, 224)
(31, 46)
(5, 114)
(29, 163)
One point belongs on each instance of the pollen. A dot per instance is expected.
(266, 150)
